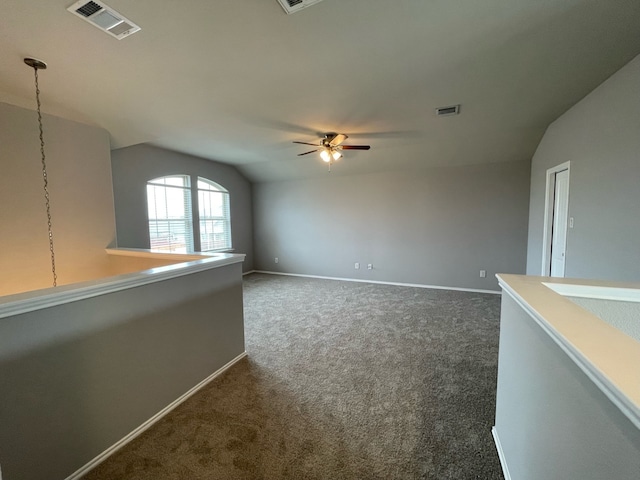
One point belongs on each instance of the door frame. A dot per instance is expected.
(548, 213)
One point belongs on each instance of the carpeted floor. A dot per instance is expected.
(343, 381)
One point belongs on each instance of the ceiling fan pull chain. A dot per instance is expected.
(36, 64)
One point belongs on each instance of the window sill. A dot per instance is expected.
(223, 250)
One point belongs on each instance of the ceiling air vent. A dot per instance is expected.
(446, 111)
(292, 6)
(105, 18)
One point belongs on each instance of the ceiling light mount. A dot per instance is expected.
(35, 63)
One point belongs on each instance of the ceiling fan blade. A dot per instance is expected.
(337, 139)
(305, 143)
(307, 153)
(272, 124)
(387, 134)
(355, 147)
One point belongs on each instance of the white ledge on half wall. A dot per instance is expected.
(185, 264)
(598, 292)
(609, 357)
(147, 253)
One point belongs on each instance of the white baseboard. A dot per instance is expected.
(503, 461)
(247, 273)
(417, 285)
(146, 425)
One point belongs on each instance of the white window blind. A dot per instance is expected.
(215, 217)
(170, 216)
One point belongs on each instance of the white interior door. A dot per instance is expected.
(559, 224)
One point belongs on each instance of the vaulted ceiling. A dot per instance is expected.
(238, 81)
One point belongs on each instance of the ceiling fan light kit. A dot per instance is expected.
(331, 147)
(324, 154)
(330, 154)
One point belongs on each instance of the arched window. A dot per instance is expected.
(215, 220)
(188, 214)
(170, 218)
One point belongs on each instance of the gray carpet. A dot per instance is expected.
(343, 381)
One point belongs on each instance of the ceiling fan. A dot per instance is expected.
(331, 147)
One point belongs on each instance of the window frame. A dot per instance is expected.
(195, 221)
(184, 223)
(225, 217)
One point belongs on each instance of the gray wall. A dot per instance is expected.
(77, 378)
(601, 137)
(134, 166)
(436, 226)
(79, 174)
(552, 421)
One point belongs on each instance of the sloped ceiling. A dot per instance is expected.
(238, 81)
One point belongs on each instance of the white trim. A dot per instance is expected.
(247, 273)
(149, 423)
(503, 460)
(613, 393)
(399, 284)
(49, 297)
(148, 253)
(600, 293)
(548, 209)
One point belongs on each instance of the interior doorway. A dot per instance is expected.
(556, 221)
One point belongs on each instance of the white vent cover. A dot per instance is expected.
(292, 6)
(105, 18)
(446, 111)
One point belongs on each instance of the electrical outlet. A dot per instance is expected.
(370, 266)
(357, 266)
(276, 260)
(483, 273)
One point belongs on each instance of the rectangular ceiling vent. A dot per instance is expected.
(292, 6)
(105, 18)
(446, 111)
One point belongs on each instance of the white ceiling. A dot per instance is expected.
(238, 81)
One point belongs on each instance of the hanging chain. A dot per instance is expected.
(46, 184)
